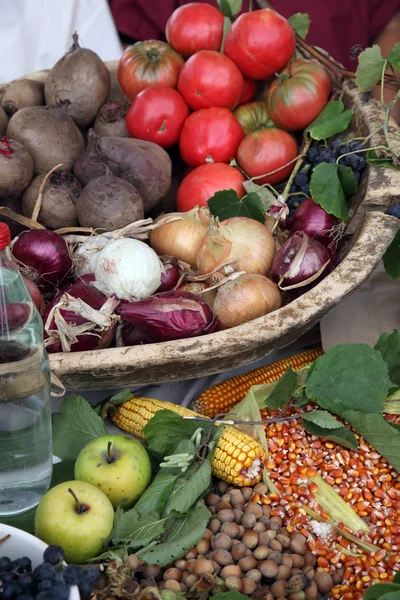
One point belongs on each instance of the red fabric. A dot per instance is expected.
(336, 26)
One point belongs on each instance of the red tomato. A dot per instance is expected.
(210, 78)
(267, 150)
(248, 90)
(157, 115)
(195, 26)
(202, 183)
(148, 64)
(253, 116)
(260, 43)
(296, 99)
(210, 135)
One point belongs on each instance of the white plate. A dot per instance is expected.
(24, 544)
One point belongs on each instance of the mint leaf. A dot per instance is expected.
(391, 258)
(347, 179)
(230, 8)
(301, 24)
(226, 204)
(322, 418)
(327, 191)
(135, 530)
(375, 161)
(332, 120)
(265, 195)
(370, 67)
(378, 432)
(156, 495)
(389, 346)
(166, 428)
(192, 489)
(283, 390)
(379, 590)
(394, 56)
(75, 426)
(185, 533)
(349, 376)
(342, 435)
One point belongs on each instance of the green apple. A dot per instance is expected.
(76, 516)
(117, 464)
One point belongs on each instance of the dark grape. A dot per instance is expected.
(7, 577)
(325, 156)
(11, 590)
(301, 179)
(25, 596)
(25, 581)
(394, 210)
(357, 175)
(293, 188)
(5, 564)
(362, 163)
(72, 574)
(61, 590)
(336, 142)
(353, 160)
(306, 189)
(313, 154)
(92, 574)
(46, 595)
(45, 584)
(22, 565)
(85, 587)
(53, 555)
(355, 146)
(44, 571)
(343, 149)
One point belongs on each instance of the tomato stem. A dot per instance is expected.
(152, 54)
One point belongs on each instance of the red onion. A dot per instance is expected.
(169, 316)
(99, 327)
(313, 220)
(45, 258)
(127, 335)
(35, 293)
(13, 316)
(170, 278)
(301, 263)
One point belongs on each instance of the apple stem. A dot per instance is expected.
(109, 449)
(80, 508)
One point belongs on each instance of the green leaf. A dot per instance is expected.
(192, 489)
(394, 56)
(283, 390)
(370, 67)
(230, 8)
(379, 590)
(349, 376)
(113, 554)
(170, 595)
(327, 191)
(226, 29)
(265, 195)
(135, 530)
(332, 120)
(165, 428)
(323, 419)
(226, 204)
(347, 179)
(375, 161)
(156, 495)
(378, 432)
(391, 258)
(396, 578)
(186, 532)
(342, 435)
(301, 24)
(121, 397)
(232, 595)
(75, 426)
(389, 346)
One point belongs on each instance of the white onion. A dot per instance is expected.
(128, 268)
(85, 255)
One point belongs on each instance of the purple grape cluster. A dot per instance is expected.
(48, 581)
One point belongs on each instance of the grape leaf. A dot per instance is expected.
(230, 8)
(231, 595)
(389, 346)
(378, 432)
(396, 578)
(379, 590)
(394, 56)
(322, 418)
(349, 376)
(227, 27)
(266, 196)
(156, 495)
(370, 67)
(391, 258)
(185, 533)
(192, 489)
(301, 24)
(227, 204)
(384, 161)
(327, 191)
(135, 530)
(348, 181)
(283, 390)
(342, 435)
(331, 120)
(165, 428)
(121, 397)
(75, 426)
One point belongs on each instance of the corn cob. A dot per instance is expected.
(238, 458)
(221, 398)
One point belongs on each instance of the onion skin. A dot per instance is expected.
(182, 238)
(127, 335)
(169, 316)
(171, 275)
(248, 244)
(46, 255)
(35, 293)
(248, 297)
(313, 220)
(196, 288)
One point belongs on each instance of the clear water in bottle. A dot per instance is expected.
(25, 409)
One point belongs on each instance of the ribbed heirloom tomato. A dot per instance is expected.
(253, 116)
(267, 150)
(210, 78)
(157, 115)
(202, 183)
(148, 64)
(260, 43)
(210, 135)
(298, 94)
(195, 26)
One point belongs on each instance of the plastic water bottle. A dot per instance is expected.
(25, 408)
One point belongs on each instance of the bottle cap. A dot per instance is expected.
(5, 236)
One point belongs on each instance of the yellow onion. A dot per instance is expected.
(197, 288)
(245, 243)
(181, 238)
(246, 298)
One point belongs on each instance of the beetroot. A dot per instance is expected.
(3, 121)
(16, 167)
(21, 93)
(110, 121)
